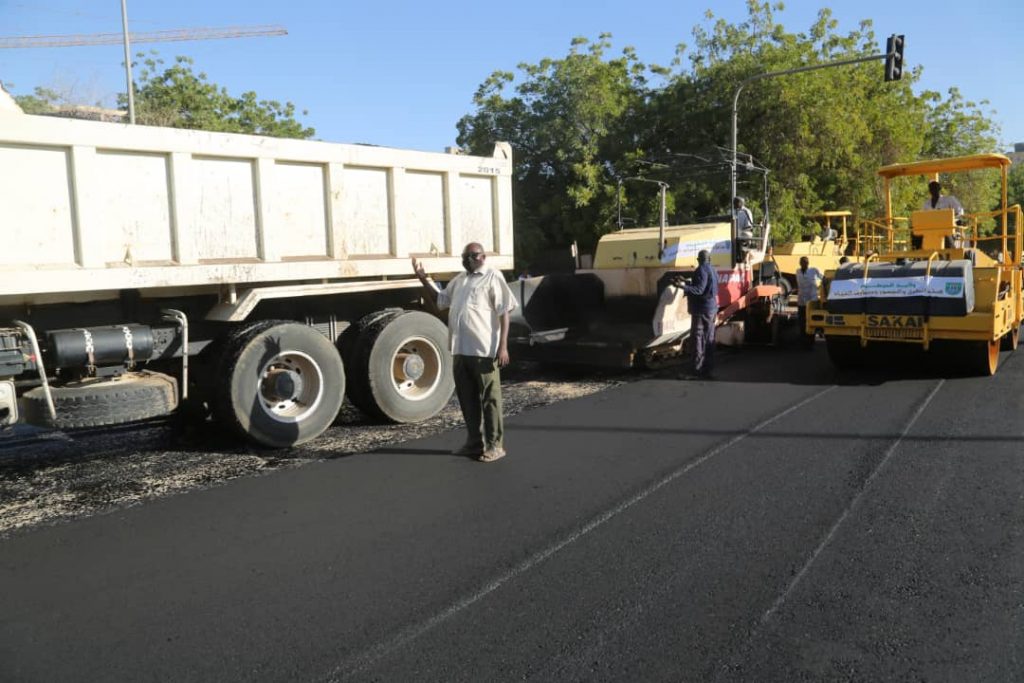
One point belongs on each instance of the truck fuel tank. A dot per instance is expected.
(99, 346)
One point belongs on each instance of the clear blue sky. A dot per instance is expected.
(401, 73)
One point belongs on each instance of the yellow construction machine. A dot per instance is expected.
(824, 249)
(625, 310)
(949, 284)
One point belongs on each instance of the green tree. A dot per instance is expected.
(823, 133)
(46, 100)
(568, 121)
(956, 127)
(581, 123)
(1016, 184)
(41, 101)
(178, 97)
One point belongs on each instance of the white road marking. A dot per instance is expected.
(849, 508)
(361, 662)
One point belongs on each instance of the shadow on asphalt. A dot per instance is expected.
(791, 364)
(525, 371)
(24, 447)
(827, 435)
(786, 363)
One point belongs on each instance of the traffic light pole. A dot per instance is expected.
(773, 74)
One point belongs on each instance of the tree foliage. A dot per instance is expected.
(566, 119)
(955, 127)
(178, 97)
(582, 123)
(41, 101)
(1016, 184)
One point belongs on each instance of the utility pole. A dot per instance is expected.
(128, 62)
(772, 74)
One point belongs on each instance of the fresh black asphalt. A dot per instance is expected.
(782, 523)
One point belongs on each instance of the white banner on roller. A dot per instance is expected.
(897, 287)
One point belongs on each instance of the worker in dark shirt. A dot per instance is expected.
(702, 303)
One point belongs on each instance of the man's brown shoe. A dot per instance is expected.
(492, 454)
(471, 449)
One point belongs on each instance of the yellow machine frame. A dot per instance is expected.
(997, 314)
(823, 254)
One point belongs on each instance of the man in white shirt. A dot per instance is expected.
(807, 281)
(744, 218)
(479, 302)
(937, 200)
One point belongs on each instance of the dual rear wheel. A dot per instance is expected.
(281, 383)
(398, 366)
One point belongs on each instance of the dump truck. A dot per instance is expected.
(150, 269)
(949, 285)
(626, 310)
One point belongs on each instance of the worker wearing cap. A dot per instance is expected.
(702, 303)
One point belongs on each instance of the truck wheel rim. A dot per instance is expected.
(291, 387)
(416, 368)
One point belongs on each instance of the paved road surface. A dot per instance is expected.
(783, 523)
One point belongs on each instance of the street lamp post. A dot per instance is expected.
(772, 74)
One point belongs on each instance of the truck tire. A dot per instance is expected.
(400, 368)
(357, 383)
(846, 353)
(99, 402)
(280, 383)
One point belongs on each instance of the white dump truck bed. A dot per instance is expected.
(92, 207)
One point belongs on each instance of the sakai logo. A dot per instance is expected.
(895, 321)
(954, 288)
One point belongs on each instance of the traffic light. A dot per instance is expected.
(894, 58)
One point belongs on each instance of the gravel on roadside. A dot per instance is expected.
(49, 477)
